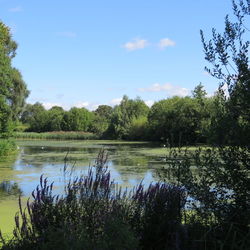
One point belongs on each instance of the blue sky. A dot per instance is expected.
(86, 53)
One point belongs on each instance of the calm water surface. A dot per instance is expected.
(129, 164)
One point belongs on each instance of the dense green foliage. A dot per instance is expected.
(56, 119)
(217, 183)
(6, 147)
(124, 115)
(13, 90)
(228, 53)
(174, 121)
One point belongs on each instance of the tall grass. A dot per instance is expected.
(60, 135)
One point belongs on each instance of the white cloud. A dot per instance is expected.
(81, 105)
(69, 34)
(115, 101)
(136, 44)
(170, 89)
(93, 107)
(149, 103)
(87, 105)
(49, 105)
(16, 9)
(166, 42)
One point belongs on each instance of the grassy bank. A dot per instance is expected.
(56, 135)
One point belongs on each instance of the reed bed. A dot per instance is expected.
(57, 135)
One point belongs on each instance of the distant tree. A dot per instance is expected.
(124, 114)
(174, 120)
(138, 129)
(104, 111)
(36, 117)
(18, 94)
(101, 119)
(199, 92)
(199, 95)
(55, 118)
(77, 119)
(217, 129)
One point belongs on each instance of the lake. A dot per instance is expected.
(129, 163)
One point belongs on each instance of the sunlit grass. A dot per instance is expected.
(57, 135)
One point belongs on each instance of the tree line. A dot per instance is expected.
(223, 119)
(173, 121)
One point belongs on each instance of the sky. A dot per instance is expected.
(87, 53)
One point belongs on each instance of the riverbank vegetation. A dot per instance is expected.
(60, 135)
(187, 214)
(202, 201)
(7, 147)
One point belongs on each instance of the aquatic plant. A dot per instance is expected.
(95, 214)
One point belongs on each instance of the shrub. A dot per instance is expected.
(218, 186)
(6, 147)
(157, 216)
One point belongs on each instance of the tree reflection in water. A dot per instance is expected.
(8, 188)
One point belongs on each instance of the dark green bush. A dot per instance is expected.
(218, 186)
(6, 147)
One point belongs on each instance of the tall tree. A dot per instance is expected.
(18, 94)
(101, 120)
(77, 119)
(228, 54)
(124, 114)
(199, 92)
(174, 120)
(36, 117)
(13, 90)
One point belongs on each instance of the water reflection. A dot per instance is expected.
(9, 188)
(128, 166)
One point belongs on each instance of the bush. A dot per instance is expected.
(218, 186)
(6, 147)
(157, 216)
